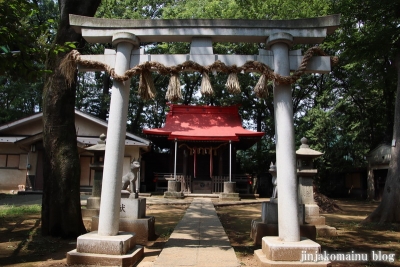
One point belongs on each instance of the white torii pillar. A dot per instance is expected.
(116, 132)
(289, 228)
(108, 246)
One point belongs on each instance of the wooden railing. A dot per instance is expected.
(218, 183)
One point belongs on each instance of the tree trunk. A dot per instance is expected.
(370, 184)
(105, 100)
(61, 212)
(135, 125)
(388, 210)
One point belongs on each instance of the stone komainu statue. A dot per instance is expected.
(130, 178)
(275, 187)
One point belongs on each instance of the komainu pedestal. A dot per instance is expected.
(133, 218)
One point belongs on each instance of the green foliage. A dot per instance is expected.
(24, 35)
(283, 9)
(246, 9)
(202, 9)
(16, 101)
(131, 9)
(64, 48)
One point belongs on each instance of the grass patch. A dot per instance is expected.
(166, 233)
(16, 211)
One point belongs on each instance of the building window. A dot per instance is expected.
(9, 161)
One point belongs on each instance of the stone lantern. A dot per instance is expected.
(305, 172)
(98, 151)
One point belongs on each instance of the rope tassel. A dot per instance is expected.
(174, 92)
(232, 84)
(68, 66)
(206, 88)
(261, 89)
(146, 86)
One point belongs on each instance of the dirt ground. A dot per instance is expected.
(21, 244)
(351, 235)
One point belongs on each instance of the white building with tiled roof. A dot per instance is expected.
(21, 150)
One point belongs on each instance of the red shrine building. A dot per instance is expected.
(201, 142)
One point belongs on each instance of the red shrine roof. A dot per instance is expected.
(203, 123)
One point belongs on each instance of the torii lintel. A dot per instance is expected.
(304, 31)
(202, 33)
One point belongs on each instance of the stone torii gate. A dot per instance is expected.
(279, 36)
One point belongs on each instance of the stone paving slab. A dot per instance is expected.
(198, 240)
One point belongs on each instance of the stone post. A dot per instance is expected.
(115, 146)
(289, 229)
(229, 187)
(229, 193)
(174, 186)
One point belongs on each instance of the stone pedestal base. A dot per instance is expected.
(312, 217)
(260, 229)
(133, 218)
(177, 195)
(269, 212)
(89, 213)
(325, 230)
(311, 210)
(93, 203)
(143, 228)
(93, 249)
(316, 220)
(92, 209)
(275, 252)
(229, 197)
(312, 214)
(132, 208)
